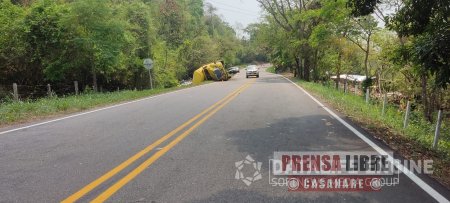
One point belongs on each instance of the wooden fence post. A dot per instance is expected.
(15, 92)
(408, 109)
(75, 83)
(367, 95)
(384, 105)
(49, 90)
(345, 86)
(437, 131)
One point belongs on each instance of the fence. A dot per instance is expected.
(19, 92)
(397, 101)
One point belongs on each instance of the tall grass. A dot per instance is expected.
(355, 106)
(11, 112)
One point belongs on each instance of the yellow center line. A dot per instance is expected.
(122, 182)
(74, 197)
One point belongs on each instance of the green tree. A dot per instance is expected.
(46, 38)
(197, 52)
(103, 43)
(427, 23)
(97, 35)
(171, 20)
(361, 35)
(13, 46)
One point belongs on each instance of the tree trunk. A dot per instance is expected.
(306, 68)
(426, 107)
(366, 59)
(379, 81)
(432, 103)
(298, 66)
(338, 72)
(94, 80)
(316, 62)
(365, 64)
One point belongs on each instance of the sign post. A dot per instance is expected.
(148, 64)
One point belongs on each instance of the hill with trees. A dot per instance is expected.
(102, 44)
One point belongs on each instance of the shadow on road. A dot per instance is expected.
(308, 133)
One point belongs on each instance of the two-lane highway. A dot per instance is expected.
(183, 147)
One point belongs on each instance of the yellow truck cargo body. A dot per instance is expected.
(213, 71)
(199, 76)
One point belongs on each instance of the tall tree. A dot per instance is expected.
(98, 35)
(427, 22)
(171, 19)
(293, 17)
(361, 35)
(13, 46)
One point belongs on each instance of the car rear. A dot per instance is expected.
(252, 71)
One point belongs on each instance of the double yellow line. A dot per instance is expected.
(130, 176)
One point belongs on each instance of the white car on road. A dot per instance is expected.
(252, 70)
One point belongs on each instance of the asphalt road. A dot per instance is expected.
(95, 156)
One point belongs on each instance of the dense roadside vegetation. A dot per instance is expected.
(401, 46)
(413, 143)
(409, 56)
(419, 130)
(102, 44)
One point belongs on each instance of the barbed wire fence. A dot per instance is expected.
(19, 92)
(384, 100)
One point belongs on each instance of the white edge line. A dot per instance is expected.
(422, 184)
(97, 110)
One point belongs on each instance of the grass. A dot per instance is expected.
(12, 112)
(271, 69)
(418, 130)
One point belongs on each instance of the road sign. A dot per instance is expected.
(148, 64)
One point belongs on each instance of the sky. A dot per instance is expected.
(238, 13)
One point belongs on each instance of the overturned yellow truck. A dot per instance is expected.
(213, 71)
